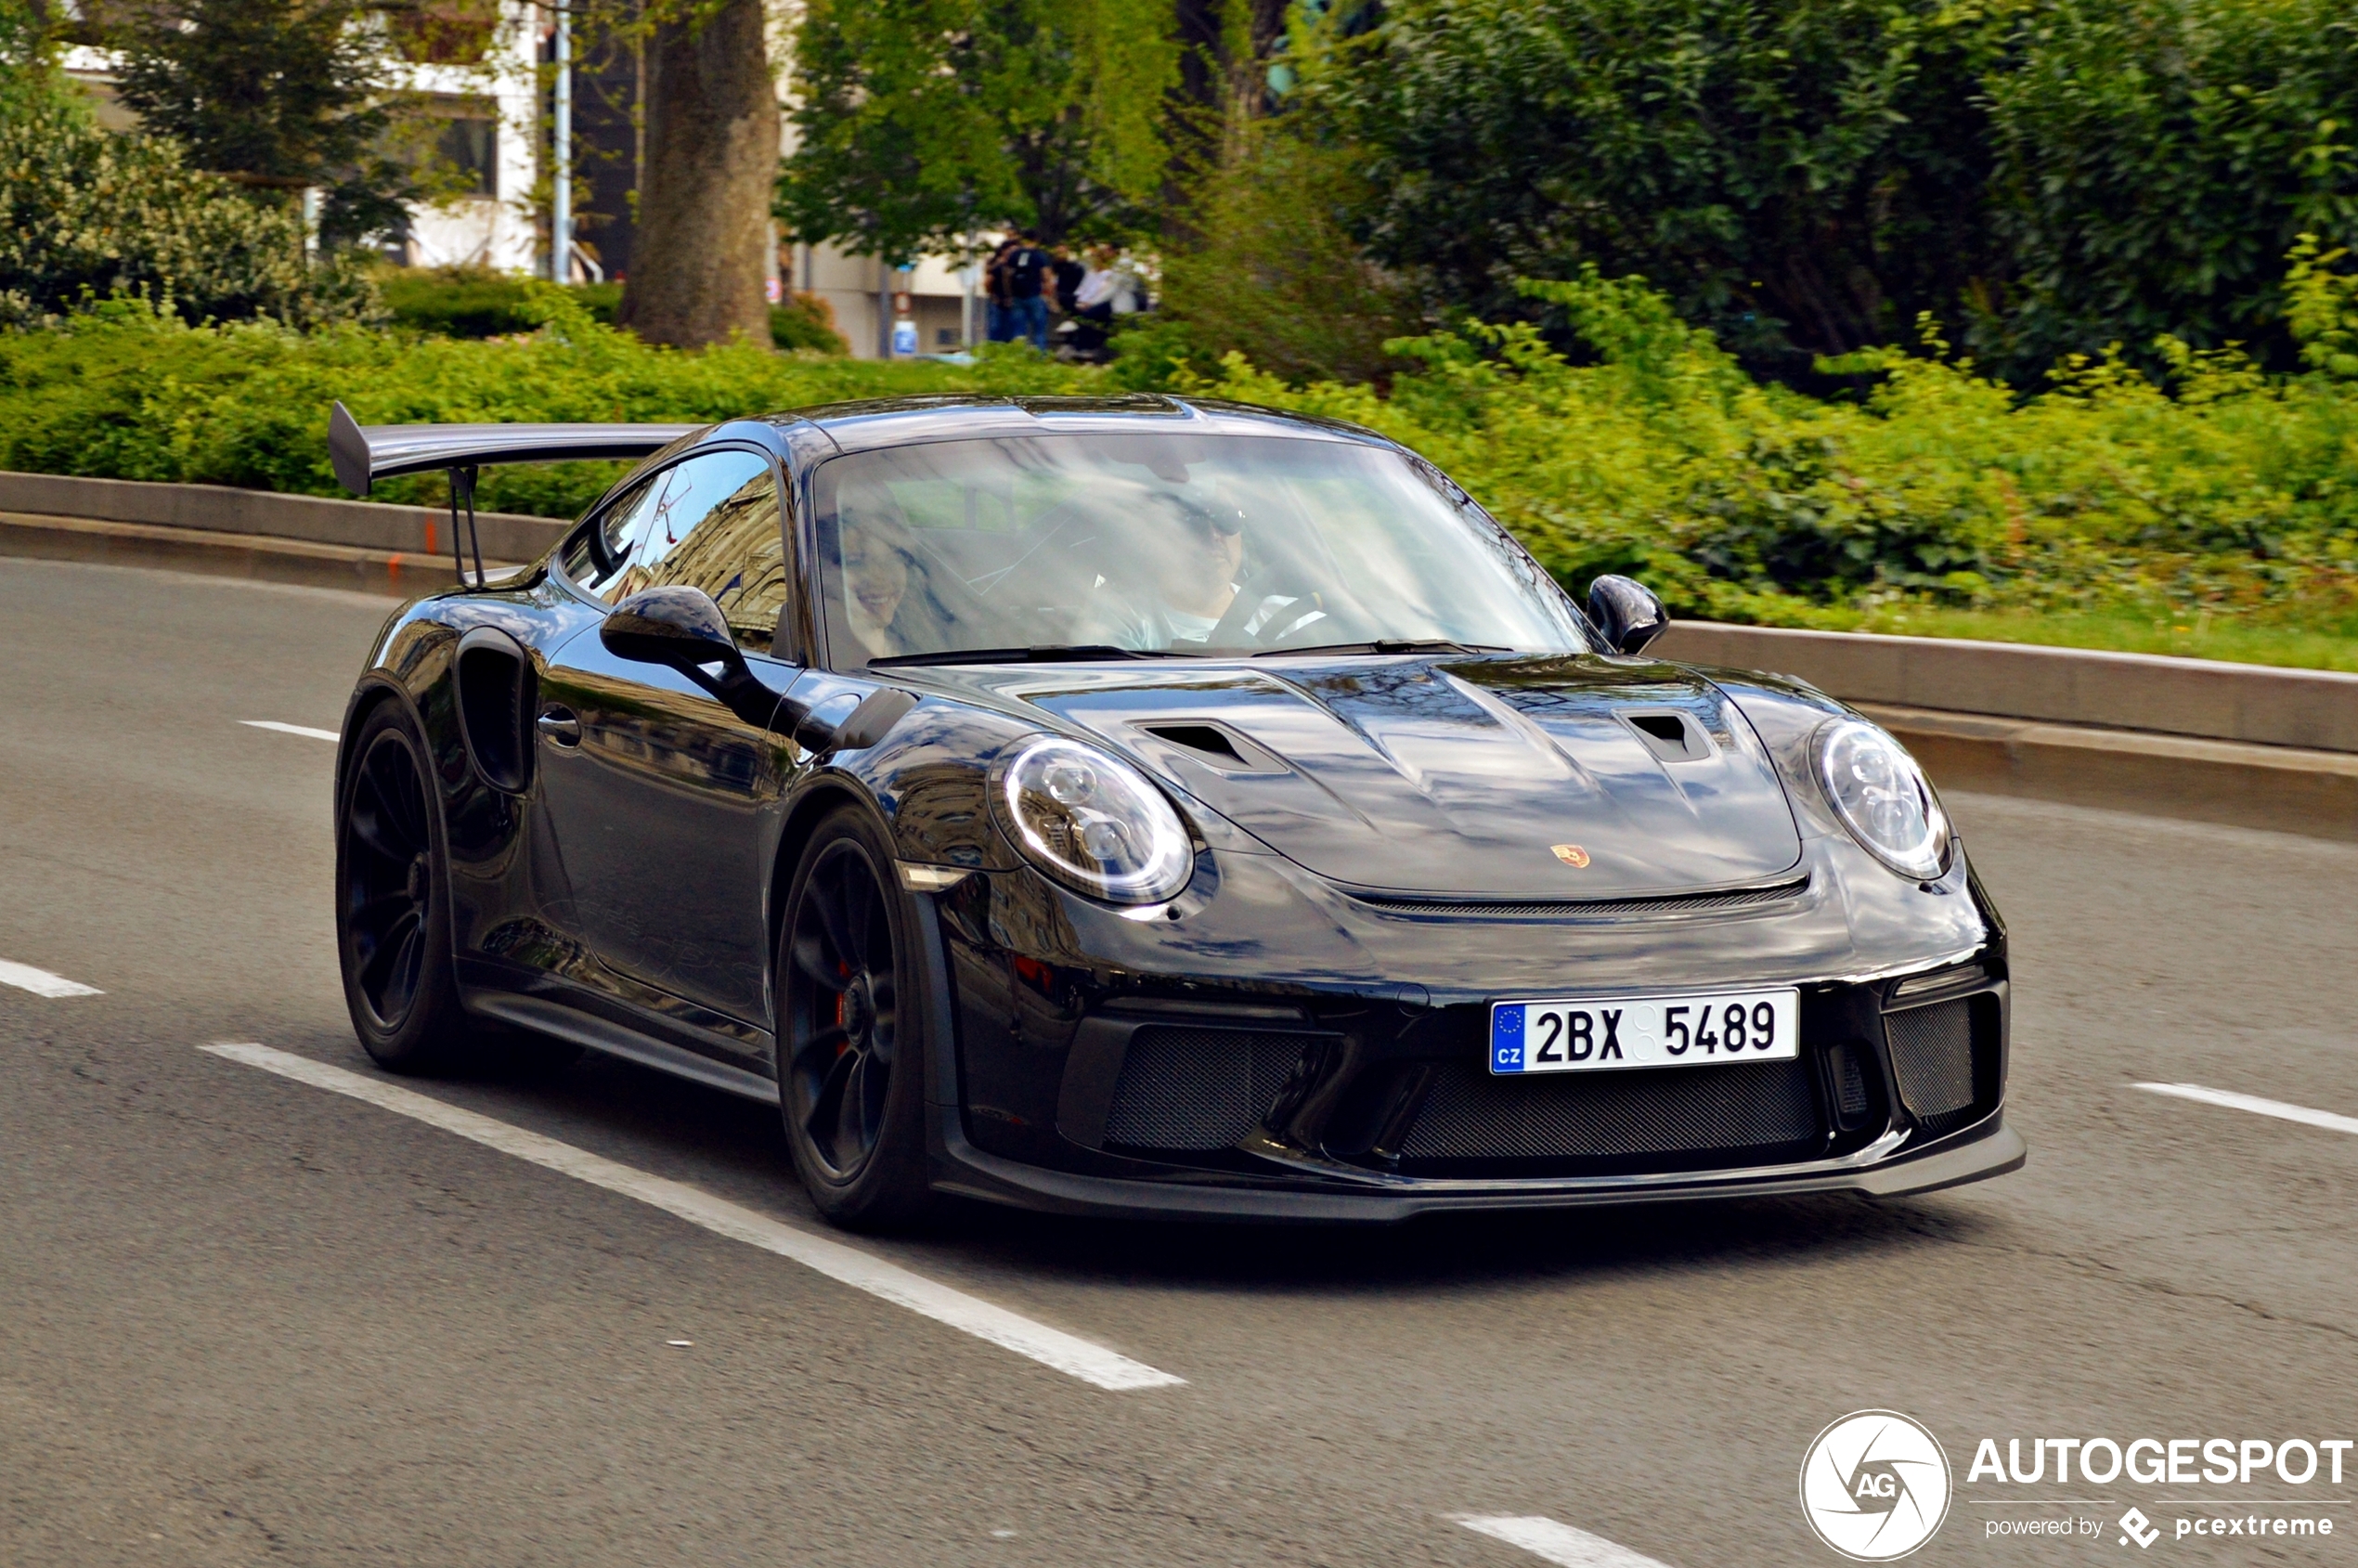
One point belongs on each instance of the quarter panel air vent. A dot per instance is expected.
(496, 689)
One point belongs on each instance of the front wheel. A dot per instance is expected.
(851, 1035)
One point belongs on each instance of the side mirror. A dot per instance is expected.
(677, 626)
(681, 628)
(1627, 613)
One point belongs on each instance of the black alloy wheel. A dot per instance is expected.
(387, 899)
(393, 903)
(852, 1071)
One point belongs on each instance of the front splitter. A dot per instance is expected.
(1990, 1149)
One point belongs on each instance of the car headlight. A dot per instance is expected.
(1094, 823)
(1884, 798)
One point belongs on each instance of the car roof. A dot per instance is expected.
(896, 421)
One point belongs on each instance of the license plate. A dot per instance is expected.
(1591, 1036)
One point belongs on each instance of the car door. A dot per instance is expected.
(656, 790)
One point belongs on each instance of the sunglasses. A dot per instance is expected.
(1226, 527)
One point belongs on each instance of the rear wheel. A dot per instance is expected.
(392, 917)
(851, 1036)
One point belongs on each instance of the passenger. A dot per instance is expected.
(876, 579)
(884, 595)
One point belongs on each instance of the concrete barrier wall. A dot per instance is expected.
(218, 508)
(2317, 709)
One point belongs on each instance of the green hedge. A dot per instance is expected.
(2224, 490)
(477, 302)
(121, 393)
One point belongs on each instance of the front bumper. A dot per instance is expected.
(1078, 1078)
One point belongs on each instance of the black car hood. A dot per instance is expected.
(1456, 776)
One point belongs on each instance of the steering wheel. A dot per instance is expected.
(1275, 608)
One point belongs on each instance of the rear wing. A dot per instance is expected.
(363, 454)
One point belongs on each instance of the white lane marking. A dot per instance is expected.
(2253, 1103)
(1051, 1347)
(290, 729)
(1561, 1544)
(24, 977)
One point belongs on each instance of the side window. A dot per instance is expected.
(712, 522)
(598, 557)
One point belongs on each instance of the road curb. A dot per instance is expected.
(219, 509)
(2315, 709)
(392, 573)
(2283, 788)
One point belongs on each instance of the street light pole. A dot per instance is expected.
(561, 195)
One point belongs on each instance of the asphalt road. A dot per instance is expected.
(243, 1319)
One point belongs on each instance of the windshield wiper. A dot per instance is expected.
(1417, 645)
(1047, 652)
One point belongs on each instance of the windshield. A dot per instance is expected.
(1147, 545)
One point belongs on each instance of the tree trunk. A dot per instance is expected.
(701, 253)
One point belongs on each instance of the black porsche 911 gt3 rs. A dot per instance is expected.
(1147, 806)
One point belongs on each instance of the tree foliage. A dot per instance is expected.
(1264, 263)
(278, 95)
(1802, 176)
(1806, 176)
(922, 121)
(85, 214)
(2155, 160)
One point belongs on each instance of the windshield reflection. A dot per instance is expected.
(1165, 544)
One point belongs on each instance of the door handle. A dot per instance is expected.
(561, 725)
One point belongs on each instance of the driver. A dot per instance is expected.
(1191, 552)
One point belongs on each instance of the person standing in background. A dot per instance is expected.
(1107, 289)
(1070, 271)
(1027, 275)
(998, 318)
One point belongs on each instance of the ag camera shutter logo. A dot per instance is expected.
(1874, 1485)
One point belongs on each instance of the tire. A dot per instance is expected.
(850, 983)
(393, 916)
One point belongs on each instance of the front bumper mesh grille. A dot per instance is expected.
(1932, 1058)
(1198, 1089)
(1472, 1114)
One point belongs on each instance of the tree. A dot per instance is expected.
(28, 68)
(925, 121)
(2157, 158)
(1258, 255)
(1802, 176)
(87, 214)
(279, 96)
(701, 255)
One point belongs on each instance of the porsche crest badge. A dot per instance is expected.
(1572, 855)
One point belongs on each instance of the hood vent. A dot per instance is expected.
(1214, 745)
(1674, 737)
